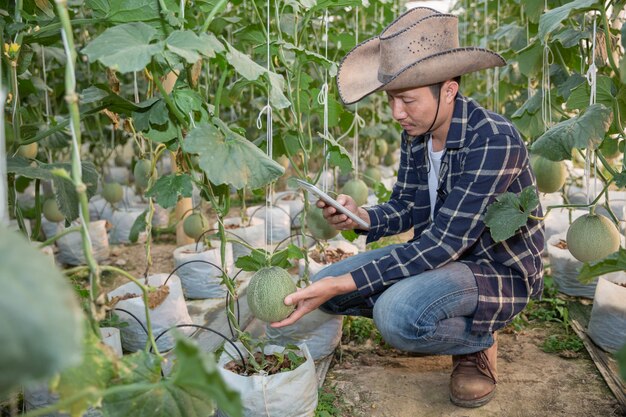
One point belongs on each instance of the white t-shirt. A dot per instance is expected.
(433, 174)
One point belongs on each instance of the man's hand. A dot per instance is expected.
(338, 220)
(309, 298)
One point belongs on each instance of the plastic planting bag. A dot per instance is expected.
(71, 245)
(171, 312)
(199, 279)
(122, 223)
(278, 223)
(251, 233)
(286, 394)
(295, 201)
(607, 325)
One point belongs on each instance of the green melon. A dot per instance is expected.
(381, 147)
(119, 160)
(550, 175)
(357, 189)
(592, 237)
(142, 173)
(112, 192)
(266, 294)
(390, 159)
(373, 160)
(194, 225)
(372, 175)
(318, 226)
(28, 151)
(51, 211)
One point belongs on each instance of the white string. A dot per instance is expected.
(486, 39)
(496, 70)
(322, 98)
(135, 87)
(592, 81)
(355, 149)
(45, 83)
(4, 195)
(546, 100)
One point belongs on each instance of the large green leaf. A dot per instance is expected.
(189, 46)
(124, 11)
(125, 48)
(551, 19)
(510, 212)
(193, 389)
(612, 263)
(101, 93)
(40, 321)
(338, 156)
(65, 190)
(581, 132)
(530, 59)
(251, 71)
(229, 158)
(605, 94)
(167, 189)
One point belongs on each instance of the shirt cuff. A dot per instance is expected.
(377, 229)
(368, 280)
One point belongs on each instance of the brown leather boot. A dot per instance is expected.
(474, 377)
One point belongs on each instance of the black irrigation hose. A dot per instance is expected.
(197, 326)
(191, 262)
(133, 316)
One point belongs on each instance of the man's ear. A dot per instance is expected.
(451, 87)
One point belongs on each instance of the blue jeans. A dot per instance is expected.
(428, 313)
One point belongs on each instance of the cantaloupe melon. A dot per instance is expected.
(372, 175)
(266, 294)
(381, 147)
(318, 226)
(28, 151)
(592, 237)
(357, 189)
(142, 173)
(51, 211)
(194, 225)
(112, 192)
(550, 175)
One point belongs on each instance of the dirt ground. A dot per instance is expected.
(376, 382)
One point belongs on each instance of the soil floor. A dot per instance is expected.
(375, 382)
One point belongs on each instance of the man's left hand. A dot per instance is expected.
(310, 298)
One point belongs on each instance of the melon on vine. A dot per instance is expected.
(142, 173)
(357, 189)
(266, 294)
(112, 192)
(28, 151)
(551, 175)
(194, 225)
(51, 211)
(390, 159)
(372, 175)
(381, 147)
(592, 237)
(318, 226)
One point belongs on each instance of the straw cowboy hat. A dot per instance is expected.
(419, 48)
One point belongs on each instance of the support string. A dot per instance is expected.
(322, 99)
(592, 81)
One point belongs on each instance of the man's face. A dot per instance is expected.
(414, 109)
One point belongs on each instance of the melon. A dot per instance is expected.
(381, 148)
(357, 189)
(28, 151)
(550, 175)
(318, 226)
(373, 160)
(266, 294)
(142, 173)
(390, 159)
(51, 211)
(372, 175)
(194, 225)
(112, 192)
(119, 160)
(592, 237)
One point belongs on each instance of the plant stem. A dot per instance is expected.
(607, 40)
(168, 101)
(59, 235)
(15, 117)
(71, 97)
(212, 14)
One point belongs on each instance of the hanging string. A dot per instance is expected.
(322, 99)
(486, 43)
(592, 81)
(496, 70)
(529, 88)
(267, 109)
(355, 149)
(546, 100)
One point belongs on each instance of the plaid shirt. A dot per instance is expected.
(484, 157)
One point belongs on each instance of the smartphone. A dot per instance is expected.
(331, 201)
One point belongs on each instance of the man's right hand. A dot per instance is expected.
(339, 220)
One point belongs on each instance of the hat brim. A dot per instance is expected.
(357, 76)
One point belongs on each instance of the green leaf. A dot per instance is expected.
(258, 259)
(188, 101)
(551, 19)
(193, 389)
(167, 189)
(125, 48)
(41, 325)
(566, 88)
(612, 263)
(605, 94)
(570, 37)
(510, 212)
(282, 257)
(620, 179)
(188, 45)
(124, 11)
(229, 158)
(101, 93)
(139, 225)
(530, 59)
(338, 155)
(162, 134)
(584, 131)
(349, 235)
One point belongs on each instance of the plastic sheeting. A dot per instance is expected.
(286, 394)
(252, 233)
(201, 280)
(71, 245)
(607, 324)
(280, 226)
(171, 312)
(122, 223)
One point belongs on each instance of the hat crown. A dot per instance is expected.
(416, 36)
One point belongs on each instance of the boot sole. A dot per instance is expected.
(479, 402)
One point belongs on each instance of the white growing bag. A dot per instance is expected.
(607, 324)
(71, 245)
(122, 223)
(172, 312)
(286, 394)
(252, 234)
(280, 226)
(201, 280)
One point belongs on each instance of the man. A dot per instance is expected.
(451, 287)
